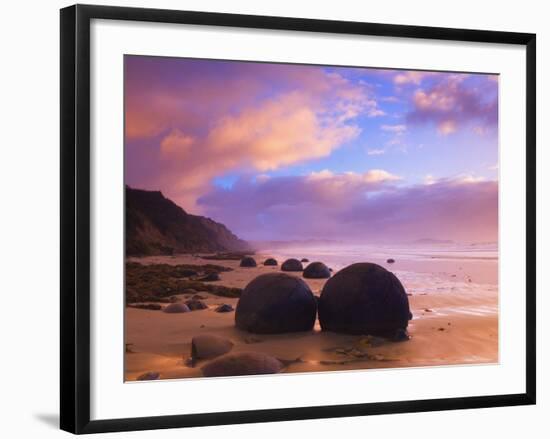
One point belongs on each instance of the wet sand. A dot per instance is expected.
(455, 321)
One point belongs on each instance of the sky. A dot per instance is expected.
(298, 152)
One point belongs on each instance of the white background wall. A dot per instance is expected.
(29, 201)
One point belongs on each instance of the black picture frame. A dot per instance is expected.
(75, 217)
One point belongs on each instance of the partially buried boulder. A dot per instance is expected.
(248, 261)
(364, 298)
(275, 303)
(304, 260)
(209, 346)
(292, 265)
(245, 363)
(176, 308)
(195, 304)
(270, 262)
(317, 270)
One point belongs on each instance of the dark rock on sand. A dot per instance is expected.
(198, 297)
(364, 298)
(224, 308)
(195, 305)
(292, 265)
(176, 308)
(148, 376)
(275, 303)
(304, 260)
(210, 277)
(248, 261)
(209, 346)
(245, 363)
(390, 261)
(270, 261)
(316, 270)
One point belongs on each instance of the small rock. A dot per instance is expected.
(174, 299)
(427, 310)
(304, 260)
(174, 308)
(198, 297)
(390, 261)
(148, 376)
(210, 277)
(270, 262)
(441, 329)
(225, 307)
(209, 346)
(253, 363)
(195, 305)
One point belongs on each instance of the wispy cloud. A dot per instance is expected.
(375, 151)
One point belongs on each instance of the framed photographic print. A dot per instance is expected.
(286, 218)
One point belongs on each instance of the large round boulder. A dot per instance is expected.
(292, 265)
(248, 261)
(244, 363)
(364, 298)
(317, 270)
(274, 303)
(270, 262)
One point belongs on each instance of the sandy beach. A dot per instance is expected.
(453, 299)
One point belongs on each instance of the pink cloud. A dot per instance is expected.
(455, 100)
(193, 126)
(360, 207)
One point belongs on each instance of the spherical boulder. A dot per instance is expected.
(364, 298)
(270, 262)
(174, 308)
(292, 265)
(275, 303)
(248, 261)
(317, 270)
(245, 363)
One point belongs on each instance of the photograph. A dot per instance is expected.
(291, 218)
